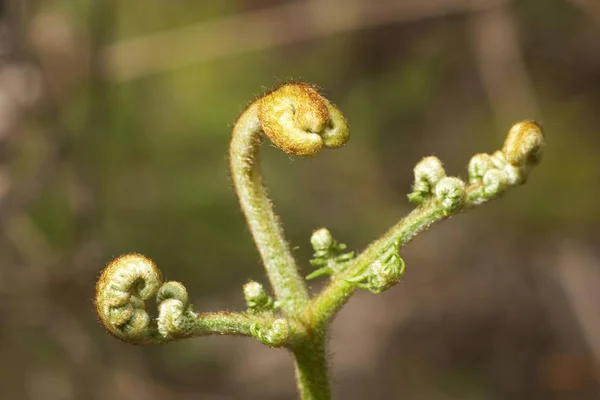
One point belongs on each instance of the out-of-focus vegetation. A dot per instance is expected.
(114, 127)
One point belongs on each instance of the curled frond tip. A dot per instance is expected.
(121, 290)
(524, 144)
(300, 121)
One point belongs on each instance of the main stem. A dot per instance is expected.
(288, 285)
(311, 365)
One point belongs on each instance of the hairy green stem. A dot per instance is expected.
(288, 285)
(224, 323)
(312, 369)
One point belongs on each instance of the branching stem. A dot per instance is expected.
(327, 303)
(298, 120)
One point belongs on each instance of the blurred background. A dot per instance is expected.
(114, 126)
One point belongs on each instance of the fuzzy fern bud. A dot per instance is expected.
(257, 298)
(450, 193)
(273, 336)
(322, 240)
(121, 290)
(300, 121)
(172, 290)
(428, 172)
(170, 319)
(478, 166)
(524, 144)
(172, 299)
(383, 273)
(328, 254)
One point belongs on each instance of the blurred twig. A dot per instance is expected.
(590, 7)
(502, 67)
(579, 276)
(20, 195)
(267, 28)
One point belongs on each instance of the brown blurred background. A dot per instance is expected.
(114, 125)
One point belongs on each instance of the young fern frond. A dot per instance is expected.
(128, 281)
(298, 120)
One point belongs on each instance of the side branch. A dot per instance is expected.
(324, 306)
(270, 330)
(128, 281)
(438, 197)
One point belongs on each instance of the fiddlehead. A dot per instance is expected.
(383, 273)
(428, 172)
(299, 121)
(274, 335)
(450, 193)
(123, 287)
(524, 145)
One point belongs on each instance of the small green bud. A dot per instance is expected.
(172, 290)
(478, 166)
(450, 192)
(383, 273)
(274, 336)
(428, 172)
(257, 298)
(524, 144)
(170, 317)
(494, 182)
(514, 175)
(321, 240)
(329, 255)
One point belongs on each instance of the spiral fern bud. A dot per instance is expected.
(172, 299)
(478, 166)
(428, 172)
(383, 273)
(329, 254)
(274, 336)
(322, 240)
(514, 175)
(450, 193)
(170, 317)
(257, 298)
(386, 274)
(121, 290)
(494, 183)
(300, 121)
(524, 144)
(172, 290)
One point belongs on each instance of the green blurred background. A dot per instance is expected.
(114, 127)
